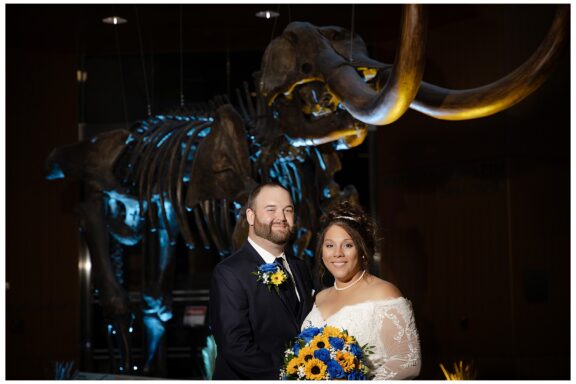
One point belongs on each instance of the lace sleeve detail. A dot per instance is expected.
(399, 349)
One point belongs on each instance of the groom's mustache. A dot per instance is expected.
(288, 227)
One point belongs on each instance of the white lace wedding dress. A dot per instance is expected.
(388, 325)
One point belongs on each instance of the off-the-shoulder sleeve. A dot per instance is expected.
(399, 356)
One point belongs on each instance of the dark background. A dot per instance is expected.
(474, 215)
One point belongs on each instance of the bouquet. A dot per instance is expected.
(326, 353)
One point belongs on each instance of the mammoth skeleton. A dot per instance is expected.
(189, 172)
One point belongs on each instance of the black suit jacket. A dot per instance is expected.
(252, 326)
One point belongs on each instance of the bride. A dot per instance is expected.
(370, 309)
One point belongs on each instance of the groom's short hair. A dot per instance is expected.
(256, 191)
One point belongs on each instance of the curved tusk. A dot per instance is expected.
(388, 105)
(448, 104)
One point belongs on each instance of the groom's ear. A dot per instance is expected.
(250, 216)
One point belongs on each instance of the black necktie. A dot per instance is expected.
(287, 290)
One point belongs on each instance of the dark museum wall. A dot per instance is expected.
(475, 215)
(42, 316)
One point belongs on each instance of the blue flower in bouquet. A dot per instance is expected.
(356, 375)
(336, 342)
(296, 349)
(356, 350)
(323, 355)
(335, 370)
(309, 333)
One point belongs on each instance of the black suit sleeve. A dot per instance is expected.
(230, 323)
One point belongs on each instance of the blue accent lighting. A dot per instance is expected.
(55, 173)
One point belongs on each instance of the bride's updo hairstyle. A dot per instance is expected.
(358, 224)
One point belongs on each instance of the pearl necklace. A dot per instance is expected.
(351, 285)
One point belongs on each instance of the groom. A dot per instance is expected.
(252, 324)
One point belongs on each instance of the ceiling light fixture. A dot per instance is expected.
(115, 20)
(267, 14)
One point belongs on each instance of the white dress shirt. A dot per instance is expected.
(270, 258)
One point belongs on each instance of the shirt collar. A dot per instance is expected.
(267, 256)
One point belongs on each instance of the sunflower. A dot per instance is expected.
(278, 278)
(292, 367)
(349, 339)
(306, 353)
(346, 360)
(319, 341)
(315, 370)
(330, 331)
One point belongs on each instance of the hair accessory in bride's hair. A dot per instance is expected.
(347, 218)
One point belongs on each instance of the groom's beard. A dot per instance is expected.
(277, 237)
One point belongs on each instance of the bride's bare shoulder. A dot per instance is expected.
(321, 296)
(382, 289)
